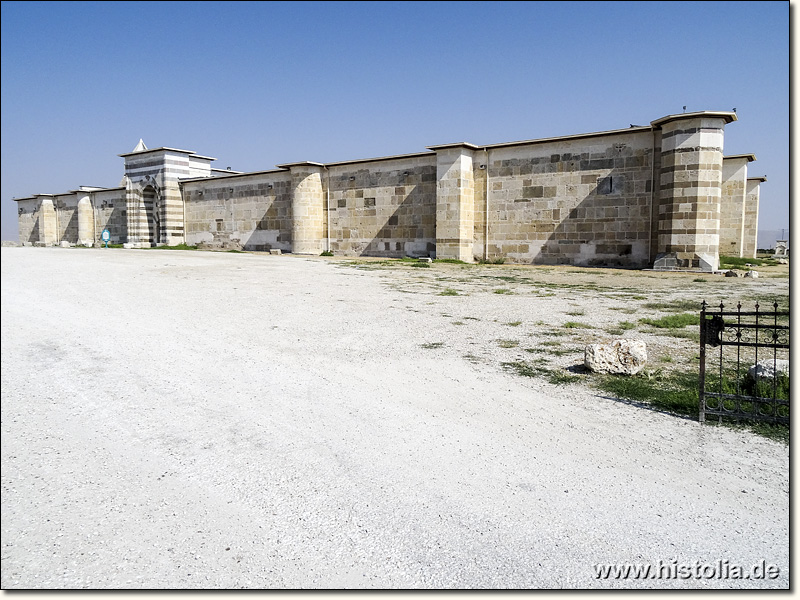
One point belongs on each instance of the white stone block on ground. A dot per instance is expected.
(624, 357)
(766, 369)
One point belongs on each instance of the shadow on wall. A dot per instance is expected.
(152, 213)
(576, 209)
(272, 230)
(70, 232)
(404, 232)
(390, 213)
(112, 216)
(250, 216)
(34, 235)
(386, 213)
(609, 227)
(117, 224)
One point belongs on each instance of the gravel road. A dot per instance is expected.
(192, 420)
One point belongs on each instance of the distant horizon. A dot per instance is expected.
(768, 237)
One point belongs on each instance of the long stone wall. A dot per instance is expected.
(657, 195)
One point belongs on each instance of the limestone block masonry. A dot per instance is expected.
(382, 207)
(455, 202)
(750, 233)
(308, 209)
(690, 189)
(661, 195)
(732, 217)
(252, 211)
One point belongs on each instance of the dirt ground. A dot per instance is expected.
(201, 420)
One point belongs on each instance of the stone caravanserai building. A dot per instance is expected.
(657, 196)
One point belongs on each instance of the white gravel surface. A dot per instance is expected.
(214, 420)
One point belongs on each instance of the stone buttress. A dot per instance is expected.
(455, 201)
(690, 190)
(308, 208)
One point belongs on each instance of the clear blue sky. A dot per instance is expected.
(256, 84)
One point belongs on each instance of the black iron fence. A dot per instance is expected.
(748, 377)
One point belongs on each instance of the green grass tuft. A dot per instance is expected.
(678, 393)
(735, 262)
(524, 369)
(673, 321)
(508, 343)
(674, 305)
